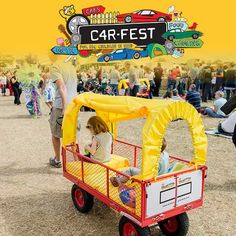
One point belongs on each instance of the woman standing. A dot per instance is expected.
(150, 76)
(16, 90)
(134, 83)
(8, 85)
(3, 80)
(230, 83)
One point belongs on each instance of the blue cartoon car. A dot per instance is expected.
(123, 54)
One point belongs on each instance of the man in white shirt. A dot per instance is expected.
(65, 78)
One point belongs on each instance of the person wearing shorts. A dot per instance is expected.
(64, 76)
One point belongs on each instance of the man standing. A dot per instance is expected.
(134, 82)
(114, 80)
(171, 84)
(158, 72)
(219, 79)
(194, 76)
(206, 84)
(65, 78)
(141, 72)
(230, 83)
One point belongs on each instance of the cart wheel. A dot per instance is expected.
(82, 200)
(128, 228)
(177, 225)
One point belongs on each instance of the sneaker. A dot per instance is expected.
(54, 163)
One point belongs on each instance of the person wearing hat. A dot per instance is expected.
(193, 97)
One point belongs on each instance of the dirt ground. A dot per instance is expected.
(35, 199)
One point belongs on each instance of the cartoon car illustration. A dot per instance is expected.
(179, 34)
(144, 16)
(123, 54)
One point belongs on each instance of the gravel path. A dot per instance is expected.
(35, 199)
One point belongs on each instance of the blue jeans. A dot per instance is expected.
(198, 84)
(171, 84)
(213, 114)
(114, 88)
(206, 91)
(4, 89)
(132, 171)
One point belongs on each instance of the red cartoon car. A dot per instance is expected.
(144, 16)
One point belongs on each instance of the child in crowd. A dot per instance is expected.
(163, 168)
(100, 147)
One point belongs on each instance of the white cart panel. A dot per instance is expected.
(161, 195)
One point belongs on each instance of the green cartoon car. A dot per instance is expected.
(179, 34)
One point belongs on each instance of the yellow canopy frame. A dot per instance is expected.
(158, 113)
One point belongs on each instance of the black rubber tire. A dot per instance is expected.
(128, 21)
(68, 22)
(108, 58)
(195, 36)
(88, 199)
(182, 229)
(171, 37)
(140, 231)
(136, 55)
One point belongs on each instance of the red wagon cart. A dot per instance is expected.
(162, 200)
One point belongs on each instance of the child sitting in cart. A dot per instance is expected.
(100, 147)
(164, 168)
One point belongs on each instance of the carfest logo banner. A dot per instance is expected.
(113, 36)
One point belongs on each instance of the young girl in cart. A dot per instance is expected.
(164, 167)
(100, 147)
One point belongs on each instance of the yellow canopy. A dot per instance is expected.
(158, 113)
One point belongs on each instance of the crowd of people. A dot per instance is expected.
(8, 81)
(207, 78)
(177, 82)
(33, 88)
(57, 85)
